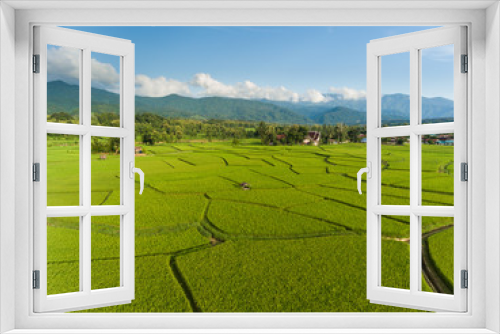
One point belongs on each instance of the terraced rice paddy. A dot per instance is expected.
(294, 242)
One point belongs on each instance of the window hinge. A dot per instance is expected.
(36, 63)
(36, 172)
(465, 64)
(464, 171)
(36, 279)
(465, 279)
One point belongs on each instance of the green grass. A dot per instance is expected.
(395, 264)
(200, 185)
(105, 177)
(205, 244)
(242, 219)
(252, 177)
(63, 170)
(250, 276)
(281, 198)
(153, 276)
(441, 253)
(157, 209)
(63, 249)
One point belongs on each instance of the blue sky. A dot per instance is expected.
(284, 62)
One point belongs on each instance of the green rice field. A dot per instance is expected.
(292, 240)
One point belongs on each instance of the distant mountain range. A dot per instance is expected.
(394, 107)
(65, 97)
(340, 115)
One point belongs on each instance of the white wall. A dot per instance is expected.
(7, 163)
(492, 164)
(281, 16)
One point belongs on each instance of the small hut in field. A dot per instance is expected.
(139, 151)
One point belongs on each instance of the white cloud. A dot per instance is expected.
(348, 93)
(211, 86)
(249, 90)
(160, 86)
(105, 76)
(312, 95)
(63, 63)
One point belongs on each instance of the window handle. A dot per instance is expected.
(134, 170)
(368, 171)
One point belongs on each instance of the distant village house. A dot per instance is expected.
(312, 138)
(446, 142)
(443, 140)
(362, 138)
(279, 137)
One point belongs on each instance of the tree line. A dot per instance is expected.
(152, 129)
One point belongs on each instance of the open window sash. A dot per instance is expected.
(84, 44)
(415, 297)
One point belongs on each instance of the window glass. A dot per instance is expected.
(63, 255)
(105, 171)
(395, 167)
(395, 89)
(437, 104)
(395, 254)
(105, 90)
(438, 169)
(63, 170)
(63, 84)
(437, 254)
(105, 269)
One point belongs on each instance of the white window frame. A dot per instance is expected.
(412, 44)
(483, 50)
(86, 43)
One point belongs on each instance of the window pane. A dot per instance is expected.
(105, 246)
(437, 254)
(438, 169)
(437, 84)
(105, 89)
(63, 170)
(395, 166)
(395, 89)
(105, 171)
(395, 253)
(63, 255)
(63, 84)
